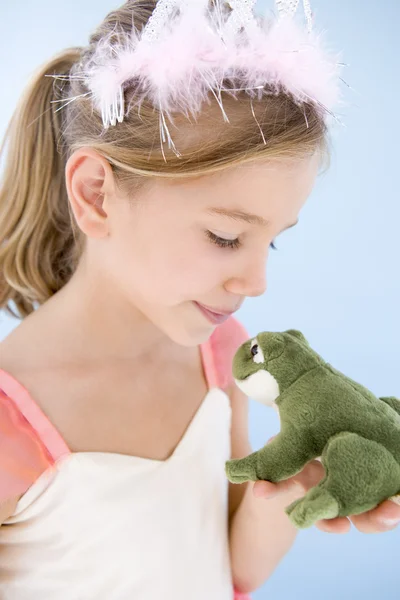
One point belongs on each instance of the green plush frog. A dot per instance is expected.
(324, 415)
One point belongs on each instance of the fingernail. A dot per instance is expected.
(266, 495)
(390, 522)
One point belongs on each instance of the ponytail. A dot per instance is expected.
(38, 248)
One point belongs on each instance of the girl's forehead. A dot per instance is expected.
(261, 180)
(272, 193)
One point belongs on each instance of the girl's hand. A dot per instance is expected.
(384, 517)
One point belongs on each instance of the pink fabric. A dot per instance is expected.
(218, 353)
(239, 596)
(23, 456)
(219, 350)
(44, 429)
(29, 443)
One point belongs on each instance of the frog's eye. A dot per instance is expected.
(256, 352)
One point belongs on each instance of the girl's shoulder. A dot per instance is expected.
(220, 351)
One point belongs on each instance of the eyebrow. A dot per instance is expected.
(238, 215)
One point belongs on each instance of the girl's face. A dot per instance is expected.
(203, 241)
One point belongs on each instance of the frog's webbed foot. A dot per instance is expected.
(360, 474)
(316, 505)
(243, 469)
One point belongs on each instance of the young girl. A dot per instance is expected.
(117, 405)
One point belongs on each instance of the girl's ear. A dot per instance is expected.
(86, 176)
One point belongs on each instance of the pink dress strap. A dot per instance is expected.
(218, 353)
(29, 444)
(219, 350)
(239, 596)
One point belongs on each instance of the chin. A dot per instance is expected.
(195, 333)
(184, 327)
(190, 337)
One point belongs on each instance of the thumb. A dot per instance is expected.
(267, 489)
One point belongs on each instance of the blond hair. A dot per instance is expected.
(40, 243)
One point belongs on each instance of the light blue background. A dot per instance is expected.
(335, 277)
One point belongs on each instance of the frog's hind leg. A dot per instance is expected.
(359, 475)
(395, 404)
(392, 402)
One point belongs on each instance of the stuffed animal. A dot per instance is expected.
(324, 415)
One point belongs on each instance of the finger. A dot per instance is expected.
(267, 489)
(312, 474)
(337, 525)
(384, 517)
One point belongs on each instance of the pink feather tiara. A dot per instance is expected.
(188, 50)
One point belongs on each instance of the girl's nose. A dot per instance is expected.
(251, 282)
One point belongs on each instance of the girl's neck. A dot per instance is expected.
(94, 323)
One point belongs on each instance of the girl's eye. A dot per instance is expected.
(233, 244)
(223, 243)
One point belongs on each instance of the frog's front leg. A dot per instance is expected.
(282, 458)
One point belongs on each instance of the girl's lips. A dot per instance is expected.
(214, 318)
